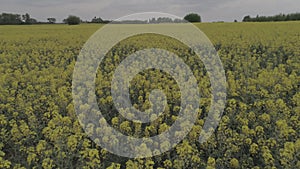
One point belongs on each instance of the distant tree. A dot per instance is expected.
(32, 21)
(97, 20)
(275, 18)
(153, 20)
(179, 20)
(16, 19)
(10, 19)
(246, 18)
(26, 18)
(193, 17)
(72, 20)
(235, 20)
(164, 20)
(51, 20)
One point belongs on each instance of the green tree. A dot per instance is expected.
(193, 17)
(26, 18)
(10, 19)
(97, 20)
(72, 20)
(51, 20)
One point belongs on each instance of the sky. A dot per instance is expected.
(210, 10)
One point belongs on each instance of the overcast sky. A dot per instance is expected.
(210, 10)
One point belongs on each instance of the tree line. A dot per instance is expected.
(275, 18)
(17, 19)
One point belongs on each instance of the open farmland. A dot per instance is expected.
(259, 128)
